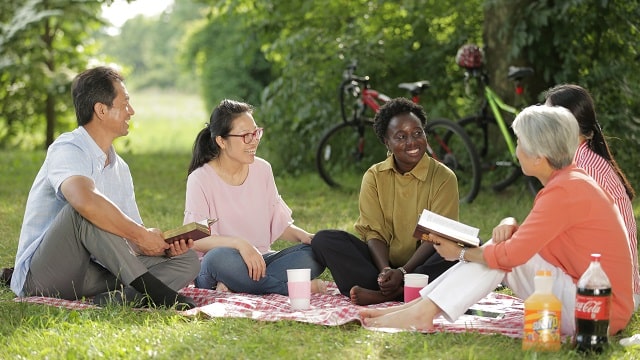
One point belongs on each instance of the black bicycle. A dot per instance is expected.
(350, 147)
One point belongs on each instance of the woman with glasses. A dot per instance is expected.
(226, 181)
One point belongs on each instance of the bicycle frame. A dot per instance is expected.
(496, 104)
(368, 97)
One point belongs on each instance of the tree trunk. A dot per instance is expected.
(500, 16)
(50, 103)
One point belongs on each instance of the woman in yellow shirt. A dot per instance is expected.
(370, 268)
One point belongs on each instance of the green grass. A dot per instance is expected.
(39, 332)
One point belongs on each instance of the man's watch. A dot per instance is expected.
(404, 272)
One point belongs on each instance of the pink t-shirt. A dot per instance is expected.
(253, 211)
(606, 177)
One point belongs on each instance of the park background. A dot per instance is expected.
(286, 58)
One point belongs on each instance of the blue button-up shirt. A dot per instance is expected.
(71, 154)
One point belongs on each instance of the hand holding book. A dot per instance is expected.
(449, 229)
(194, 231)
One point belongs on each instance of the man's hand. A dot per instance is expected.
(179, 247)
(152, 243)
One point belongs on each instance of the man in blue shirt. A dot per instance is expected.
(82, 233)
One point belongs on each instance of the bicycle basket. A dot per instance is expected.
(469, 56)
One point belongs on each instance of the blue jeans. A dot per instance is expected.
(225, 265)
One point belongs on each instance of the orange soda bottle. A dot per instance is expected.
(542, 315)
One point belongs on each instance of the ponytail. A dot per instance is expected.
(205, 149)
(580, 103)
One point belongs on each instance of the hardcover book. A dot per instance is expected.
(194, 230)
(453, 230)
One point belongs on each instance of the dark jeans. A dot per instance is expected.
(226, 265)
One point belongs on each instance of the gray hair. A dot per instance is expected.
(549, 132)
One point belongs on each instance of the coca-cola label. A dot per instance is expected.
(592, 307)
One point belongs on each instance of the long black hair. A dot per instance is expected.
(578, 100)
(205, 148)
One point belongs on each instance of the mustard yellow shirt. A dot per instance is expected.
(391, 202)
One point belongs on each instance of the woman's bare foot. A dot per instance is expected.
(418, 315)
(362, 296)
(222, 287)
(318, 286)
(371, 312)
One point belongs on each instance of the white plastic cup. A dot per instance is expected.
(299, 285)
(413, 283)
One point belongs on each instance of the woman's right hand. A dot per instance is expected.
(254, 260)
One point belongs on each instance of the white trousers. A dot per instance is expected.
(465, 284)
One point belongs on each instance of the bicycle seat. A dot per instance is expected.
(415, 88)
(519, 73)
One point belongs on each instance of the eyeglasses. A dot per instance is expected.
(248, 137)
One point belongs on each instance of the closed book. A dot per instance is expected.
(432, 223)
(194, 231)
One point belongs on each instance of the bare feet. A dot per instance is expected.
(371, 312)
(362, 296)
(222, 287)
(418, 315)
(318, 286)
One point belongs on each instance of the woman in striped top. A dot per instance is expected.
(594, 157)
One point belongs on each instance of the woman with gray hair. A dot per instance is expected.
(570, 218)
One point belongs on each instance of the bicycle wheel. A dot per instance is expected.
(346, 151)
(498, 167)
(449, 144)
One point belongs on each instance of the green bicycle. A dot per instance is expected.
(494, 140)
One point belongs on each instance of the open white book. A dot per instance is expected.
(453, 230)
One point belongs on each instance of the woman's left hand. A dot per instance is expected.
(307, 239)
(449, 250)
(390, 280)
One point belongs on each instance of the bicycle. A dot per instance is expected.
(493, 139)
(350, 147)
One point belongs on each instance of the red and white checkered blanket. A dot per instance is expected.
(326, 309)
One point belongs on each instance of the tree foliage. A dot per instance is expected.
(308, 44)
(149, 48)
(287, 57)
(43, 43)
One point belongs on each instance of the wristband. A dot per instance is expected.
(404, 272)
(461, 256)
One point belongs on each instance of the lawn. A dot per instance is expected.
(159, 143)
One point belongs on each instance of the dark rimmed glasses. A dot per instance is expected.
(248, 137)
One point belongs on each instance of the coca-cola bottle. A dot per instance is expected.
(593, 304)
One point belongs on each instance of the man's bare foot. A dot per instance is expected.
(222, 287)
(318, 286)
(362, 296)
(417, 316)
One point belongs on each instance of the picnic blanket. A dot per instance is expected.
(330, 309)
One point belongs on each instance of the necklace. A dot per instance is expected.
(236, 178)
